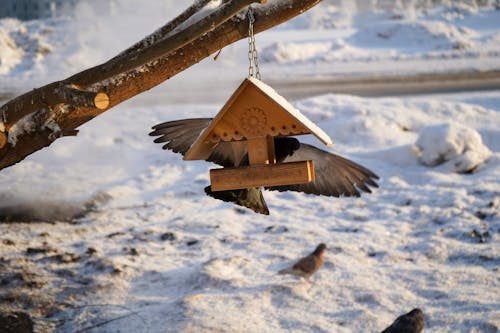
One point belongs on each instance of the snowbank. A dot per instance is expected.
(459, 146)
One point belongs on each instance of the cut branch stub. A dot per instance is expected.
(51, 95)
(82, 98)
(101, 101)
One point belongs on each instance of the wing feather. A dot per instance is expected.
(335, 176)
(179, 135)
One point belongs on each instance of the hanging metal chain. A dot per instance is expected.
(253, 57)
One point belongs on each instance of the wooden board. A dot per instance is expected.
(253, 114)
(261, 150)
(262, 175)
(3, 139)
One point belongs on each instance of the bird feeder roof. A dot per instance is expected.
(254, 110)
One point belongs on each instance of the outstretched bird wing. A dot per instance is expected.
(179, 135)
(335, 175)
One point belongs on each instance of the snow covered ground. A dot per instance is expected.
(327, 41)
(148, 251)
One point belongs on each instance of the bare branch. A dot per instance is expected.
(161, 48)
(133, 82)
(163, 31)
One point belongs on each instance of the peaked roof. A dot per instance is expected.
(254, 110)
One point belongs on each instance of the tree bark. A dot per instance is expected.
(60, 107)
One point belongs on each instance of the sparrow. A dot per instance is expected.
(335, 176)
(412, 322)
(307, 266)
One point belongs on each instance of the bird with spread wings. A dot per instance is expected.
(335, 176)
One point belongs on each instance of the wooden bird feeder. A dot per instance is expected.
(254, 115)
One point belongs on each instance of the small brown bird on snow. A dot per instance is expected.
(309, 265)
(412, 322)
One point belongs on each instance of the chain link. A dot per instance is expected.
(253, 57)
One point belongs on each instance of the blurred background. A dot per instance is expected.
(46, 40)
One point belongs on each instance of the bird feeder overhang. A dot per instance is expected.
(254, 115)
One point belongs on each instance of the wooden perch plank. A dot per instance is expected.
(262, 175)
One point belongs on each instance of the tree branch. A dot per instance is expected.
(133, 82)
(130, 59)
(49, 95)
(163, 47)
(82, 98)
(166, 29)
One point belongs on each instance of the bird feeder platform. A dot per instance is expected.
(255, 114)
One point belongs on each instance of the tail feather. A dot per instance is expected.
(287, 271)
(249, 197)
